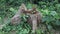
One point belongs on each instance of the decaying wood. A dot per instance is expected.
(16, 18)
(33, 20)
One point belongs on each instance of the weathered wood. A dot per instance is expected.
(16, 18)
(33, 20)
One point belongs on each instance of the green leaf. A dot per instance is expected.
(49, 27)
(29, 5)
(2, 32)
(57, 22)
(53, 13)
(11, 9)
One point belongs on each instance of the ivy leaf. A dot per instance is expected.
(53, 13)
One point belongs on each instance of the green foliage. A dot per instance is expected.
(50, 10)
